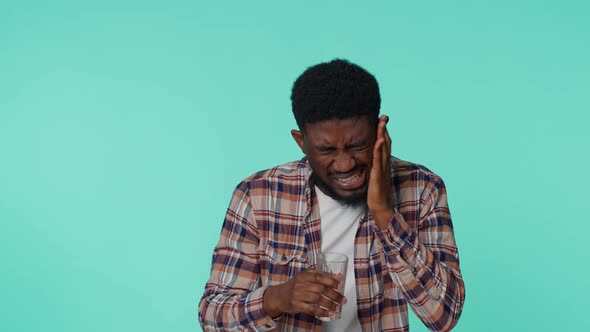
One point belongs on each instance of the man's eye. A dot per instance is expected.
(325, 151)
(360, 148)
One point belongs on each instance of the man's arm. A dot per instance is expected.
(423, 261)
(233, 297)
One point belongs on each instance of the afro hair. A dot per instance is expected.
(333, 90)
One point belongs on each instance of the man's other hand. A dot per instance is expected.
(305, 293)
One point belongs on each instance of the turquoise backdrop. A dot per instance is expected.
(125, 125)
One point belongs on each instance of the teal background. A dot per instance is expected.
(125, 125)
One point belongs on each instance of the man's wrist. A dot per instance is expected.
(383, 218)
(269, 302)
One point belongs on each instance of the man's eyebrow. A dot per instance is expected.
(323, 147)
(357, 143)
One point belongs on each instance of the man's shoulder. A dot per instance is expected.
(404, 170)
(294, 173)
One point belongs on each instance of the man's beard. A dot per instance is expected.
(354, 200)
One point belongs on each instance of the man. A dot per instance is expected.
(346, 195)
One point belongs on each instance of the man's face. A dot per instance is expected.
(340, 153)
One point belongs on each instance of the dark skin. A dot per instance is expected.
(350, 158)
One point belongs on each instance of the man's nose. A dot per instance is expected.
(344, 163)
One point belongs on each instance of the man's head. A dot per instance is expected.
(336, 106)
(334, 90)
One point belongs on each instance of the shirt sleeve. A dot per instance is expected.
(424, 261)
(233, 296)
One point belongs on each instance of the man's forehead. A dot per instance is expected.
(360, 120)
(357, 127)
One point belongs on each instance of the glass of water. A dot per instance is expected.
(335, 263)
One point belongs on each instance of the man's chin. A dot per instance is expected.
(353, 200)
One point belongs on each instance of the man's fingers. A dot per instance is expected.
(386, 149)
(382, 123)
(380, 154)
(321, 300)
(314, 293)
(326, 279)
(322, 290)
(387, 141)
(333, 295)
(377, 156)
(384, 157)
(316, 310)
(314, 304)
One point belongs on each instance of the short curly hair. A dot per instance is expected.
(332, 90)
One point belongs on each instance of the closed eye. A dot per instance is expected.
(358, 146)
(325, 149)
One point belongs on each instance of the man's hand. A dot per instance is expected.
(305, 293)
(379, 192)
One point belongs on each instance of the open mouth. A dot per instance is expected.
(352, 181)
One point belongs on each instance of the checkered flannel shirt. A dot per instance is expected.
(272, 231)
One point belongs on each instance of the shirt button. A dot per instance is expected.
(284, 259)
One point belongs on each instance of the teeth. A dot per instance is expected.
(351, 178)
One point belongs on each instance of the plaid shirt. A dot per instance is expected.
(272, 231)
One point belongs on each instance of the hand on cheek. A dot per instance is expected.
(379, 192)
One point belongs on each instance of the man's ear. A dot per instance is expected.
(298, 137)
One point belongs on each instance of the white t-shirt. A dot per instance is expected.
(339, 224)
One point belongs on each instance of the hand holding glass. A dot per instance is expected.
(335, 263)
